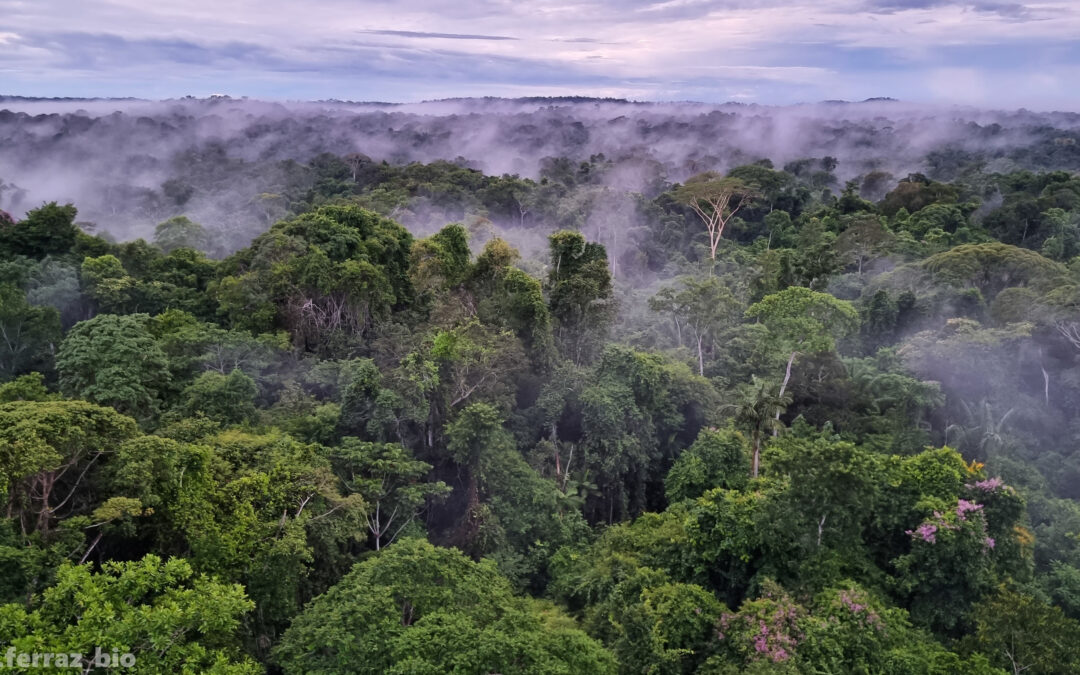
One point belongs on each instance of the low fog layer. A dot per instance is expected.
(122, 162)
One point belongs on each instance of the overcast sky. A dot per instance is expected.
(982, 52)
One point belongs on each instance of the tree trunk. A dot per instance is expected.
(90, 550)
(783, 387)
(44, 515)
(700, 357)
(1046, 385)
(376, 526)
(467, 527)
(757, 453)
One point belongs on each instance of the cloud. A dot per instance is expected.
(444, 36)
(778, 51)
(89, 52)
(1005, 9)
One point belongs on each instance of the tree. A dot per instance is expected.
(107, 283)
(940, 217)
(356, 161)
(950, 564)
(251, 508)
(704, 307)
(915, 192)
(326, 275)
(862, 240)
(29, 387)
(114, 360)
(161, 612)
(417, 608)
(833, 485)
(180, 232)
(718, 458)
(54, 283)
(476, 361)
(474, 440)
(715, 200)
(844, 628)
(46, 450)
(229, 399)
(29, 335)
(967, 358)
(580, 294)
(875, 184)
(440, 262)
(1070, 330)
(776, 188)
(759, 412)
(510, 297)
(993, 267)
(391, 483)
(1025, 635)
(765, 630)
(656, 625)
(985, 432)
(47, 230)
(803, 321)
(506, 509)
(634, 409)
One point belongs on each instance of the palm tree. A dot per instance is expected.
(984, 433)
(758, 413)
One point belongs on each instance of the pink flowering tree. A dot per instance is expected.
(763, 630)
(850, 626)
(1003, 509)
(851, 629)
(950, 563)
(845, 629)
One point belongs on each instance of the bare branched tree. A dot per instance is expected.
(1071, 331)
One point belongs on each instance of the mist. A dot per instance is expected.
(115, 158)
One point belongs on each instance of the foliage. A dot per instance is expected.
(718, 458)
(417, 608)
(28, 335)
(169, 618)
(114, 360)
(579, 294)
(783, 420)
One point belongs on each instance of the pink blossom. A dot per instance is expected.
(989, 541)
(927, 531)
(988, 485)
(964, 507)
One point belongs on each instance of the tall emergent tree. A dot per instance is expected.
(716, 199)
